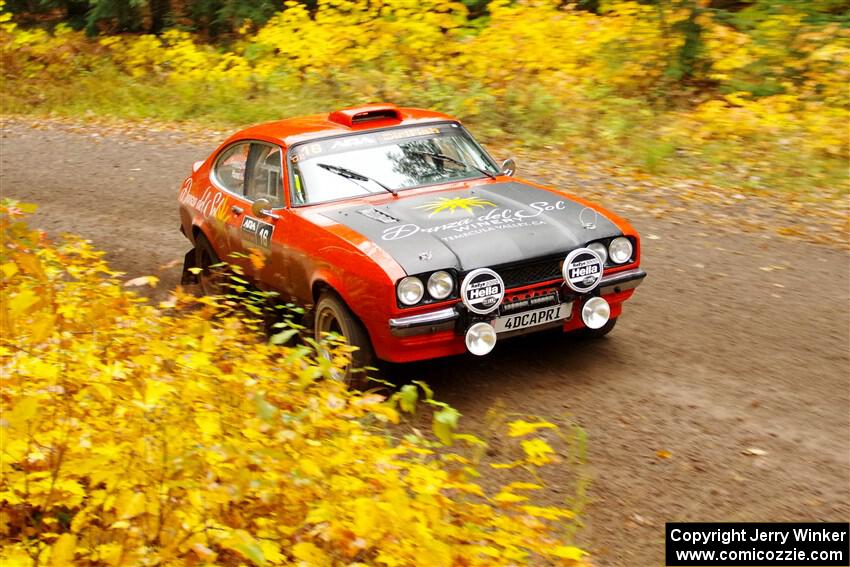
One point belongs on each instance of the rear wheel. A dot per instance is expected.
(210, 278)
(333, 316)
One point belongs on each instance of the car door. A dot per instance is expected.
(263, 237)
(228, 179)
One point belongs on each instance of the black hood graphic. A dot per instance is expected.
(486, 226)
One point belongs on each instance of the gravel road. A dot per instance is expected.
(736, 341)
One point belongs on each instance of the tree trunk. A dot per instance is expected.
(159, 12)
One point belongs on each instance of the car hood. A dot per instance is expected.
(489, 225)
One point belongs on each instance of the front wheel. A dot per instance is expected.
(586, 333)
(333, 316)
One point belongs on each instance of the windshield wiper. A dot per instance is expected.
(354, 176)
(444, 157)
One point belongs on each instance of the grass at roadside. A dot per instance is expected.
(612, 135)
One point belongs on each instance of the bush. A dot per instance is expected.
(135, 434)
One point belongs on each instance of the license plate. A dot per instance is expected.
(516, 321)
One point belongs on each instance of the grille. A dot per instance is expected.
(530, 272)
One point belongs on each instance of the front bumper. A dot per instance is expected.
(446, 319)
(440, 333)
(431, 322)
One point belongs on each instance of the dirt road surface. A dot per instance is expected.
(736, 341)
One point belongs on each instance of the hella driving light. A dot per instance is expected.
(440, 285)
(600, 250)
(595, 313)
(410, 290)
(620, 250)
(480, 338)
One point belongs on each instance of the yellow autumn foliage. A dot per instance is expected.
(176, 434)
(766, 105)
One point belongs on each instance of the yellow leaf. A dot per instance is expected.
(41, 369)
(509, 497)
(663, 454)
(109, 553)
(130, 504)
(271, 551)
(310, 554)
(209, 424)
(568, 552)
(155, 390)
(62, 552)
(520, 428)
(547, 512)
(471, 439)
(9, 269)
(42, 328)
(310, 467)
(512, 465)
(30, 264)
(364, 517)
(25, 410)
(538, 451)
(196, 360)
(21, 303)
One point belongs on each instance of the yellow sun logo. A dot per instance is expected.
(452, 204)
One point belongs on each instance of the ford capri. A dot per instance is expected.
(402, 235)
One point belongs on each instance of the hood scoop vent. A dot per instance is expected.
(377, 215)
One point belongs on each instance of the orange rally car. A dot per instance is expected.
(404, 235)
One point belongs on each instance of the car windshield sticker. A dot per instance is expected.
(583, 270)
(257, 232)
(482, 291)
(309, 150)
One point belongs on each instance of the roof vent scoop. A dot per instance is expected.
(367, 113)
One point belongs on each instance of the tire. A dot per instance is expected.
(332, 315)
(209, 279)
(600, 332)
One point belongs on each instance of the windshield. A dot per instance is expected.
(375, 162)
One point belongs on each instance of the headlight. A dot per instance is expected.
(595, 313)
(440, 285)
(600, 249)
(620, 250)
(410, 290)
(480, 338)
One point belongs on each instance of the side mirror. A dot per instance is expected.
(508, 167)
(261, 207)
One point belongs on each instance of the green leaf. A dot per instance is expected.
(445, 424)
(407, 398)
(429, 393)
(252, 550)
(283, 337)
(264, 409)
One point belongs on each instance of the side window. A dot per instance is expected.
(264, 174)
(230, 168)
